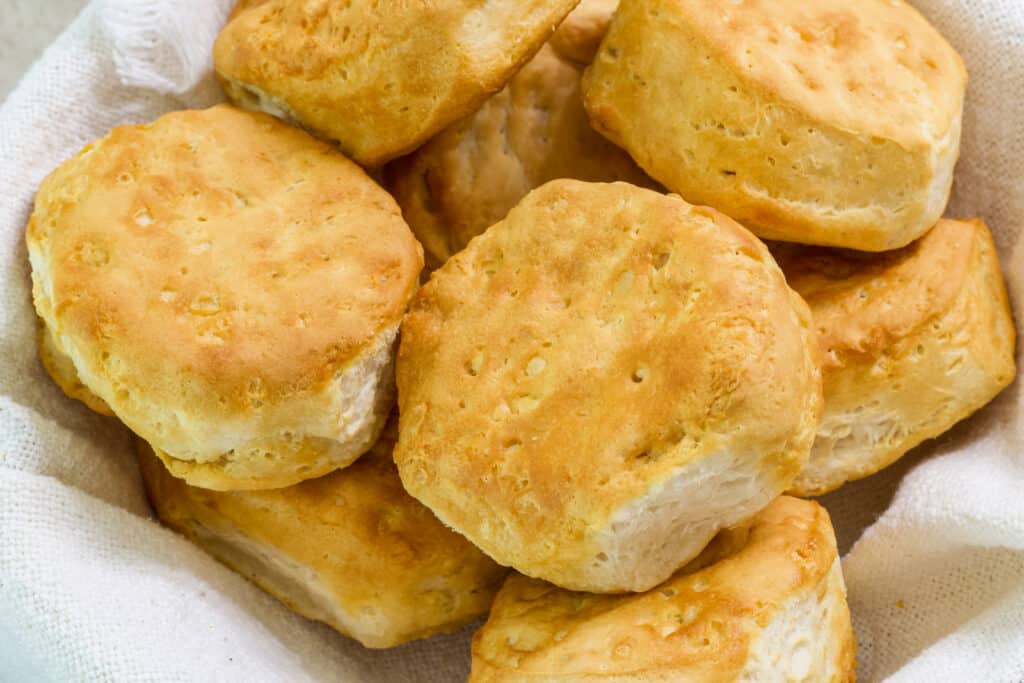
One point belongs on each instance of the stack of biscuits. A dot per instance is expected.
(555, 309)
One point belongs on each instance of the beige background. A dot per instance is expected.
(26, 28)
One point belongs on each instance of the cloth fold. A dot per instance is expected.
(91, 589)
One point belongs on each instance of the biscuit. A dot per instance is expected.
(580, 35)
(912, 341)
(468, 177)
(230, 288)
(765, 602)
(832, 123)
(350, 549)
(378, 78)
(599, 383)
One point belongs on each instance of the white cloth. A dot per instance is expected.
(91, 589)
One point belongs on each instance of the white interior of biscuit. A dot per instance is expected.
(845, 439)
(248, 96)
(653, 536)
(354, 397)
(947, 152)
(795, 646)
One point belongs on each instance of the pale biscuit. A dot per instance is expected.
(230, 288)
(379, 78)
(468, 177)
(765, 602)
(912, 341)
(599, 383)
(831, 122)
(350, 549)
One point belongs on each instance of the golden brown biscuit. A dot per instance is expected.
(378, 78)
(912, 342)
(831, 122)
(599, 383)
(230, 287)
(535, 130)
(350, 549)
(765, 602)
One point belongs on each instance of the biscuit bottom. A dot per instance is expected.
(276, 463)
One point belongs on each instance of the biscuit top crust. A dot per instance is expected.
(868, 66)
(699, 624)
(585, 348)
(863, 302)
(216, 260)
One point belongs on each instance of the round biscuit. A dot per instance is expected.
(833, 122)
(231, 288)
(599, 383)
